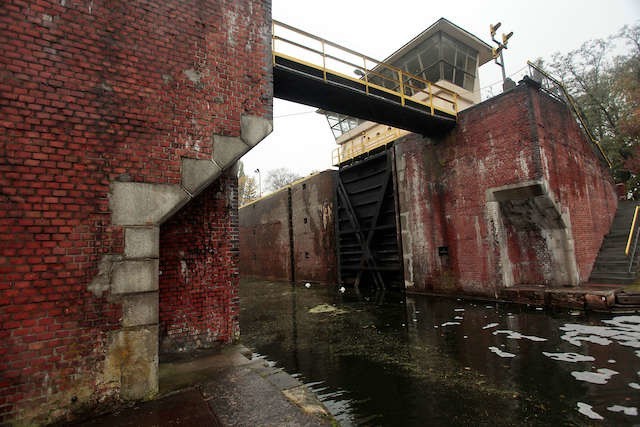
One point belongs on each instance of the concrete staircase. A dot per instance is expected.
(612, 265)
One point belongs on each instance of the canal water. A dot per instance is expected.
(377, 359)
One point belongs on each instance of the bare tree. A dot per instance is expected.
(280, 177)
(247, 188)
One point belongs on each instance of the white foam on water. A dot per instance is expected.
(628, 410)
(501, 353)
(602, 376)
(611, 361)
(490, 325)
(632, 322)
(625, 330)
(587, 410)
(488, 306)
(459, 318)
(518, 336)
(634, 386)
(569, 357)
(450, 323)
(458, 309)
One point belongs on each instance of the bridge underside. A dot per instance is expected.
(303, 84)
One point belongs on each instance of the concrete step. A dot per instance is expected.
(624, 298)
(612, 278)
(612, 265)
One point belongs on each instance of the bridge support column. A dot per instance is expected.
(132, 278)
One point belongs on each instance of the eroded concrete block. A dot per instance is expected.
(227, 149)
(132, 360)
(134, 203)
(135, 276)
(197, 174)
(254, 129)
(140, 309)
(141, 242)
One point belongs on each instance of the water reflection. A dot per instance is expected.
(387, 360)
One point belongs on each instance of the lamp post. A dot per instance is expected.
(498, 52)
(259, 182)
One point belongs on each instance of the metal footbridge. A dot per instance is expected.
(313, 71)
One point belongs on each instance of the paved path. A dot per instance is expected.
(223, 389)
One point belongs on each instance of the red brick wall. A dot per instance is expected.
(93, 91)
(578, 178)
(518, 137)
(199, 270)
(492, 146)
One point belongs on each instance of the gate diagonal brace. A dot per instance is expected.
(376, 218)
(362, 241)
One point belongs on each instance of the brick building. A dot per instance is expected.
(120, 123)
(515, 195)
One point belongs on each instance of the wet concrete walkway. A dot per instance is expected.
(223, 388)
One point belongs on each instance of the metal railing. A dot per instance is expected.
(363, 144)
(633, 236)
(555, 88)
(371, 76)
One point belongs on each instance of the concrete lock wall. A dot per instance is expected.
(515, 195)
(290, 235)
(114, 117)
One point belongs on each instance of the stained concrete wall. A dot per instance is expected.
(296, 221)
(515, 194)
(264, 238)
(312, 210)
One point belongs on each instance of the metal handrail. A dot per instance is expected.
(574, 107)
(370, 69)
(364, 144)
(633, 231)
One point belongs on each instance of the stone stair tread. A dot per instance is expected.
(612, 265)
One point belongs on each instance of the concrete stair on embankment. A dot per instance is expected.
(612, 265)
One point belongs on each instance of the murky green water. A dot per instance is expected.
(387, 360)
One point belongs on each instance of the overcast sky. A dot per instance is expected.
(302, 140)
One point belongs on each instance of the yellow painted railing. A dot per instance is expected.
(364, 144)
(631, 231)
(628, 251)
(372, 76)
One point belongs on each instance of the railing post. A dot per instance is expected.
(633, 226)
(366, 75)
(455, 103)
(273, 42)
(430, 97)
(633, 253)
(401, 87)
(324, 61)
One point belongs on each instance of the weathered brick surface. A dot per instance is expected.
(519, 137)
(199, 270)
(580, 181)
(91, 92)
